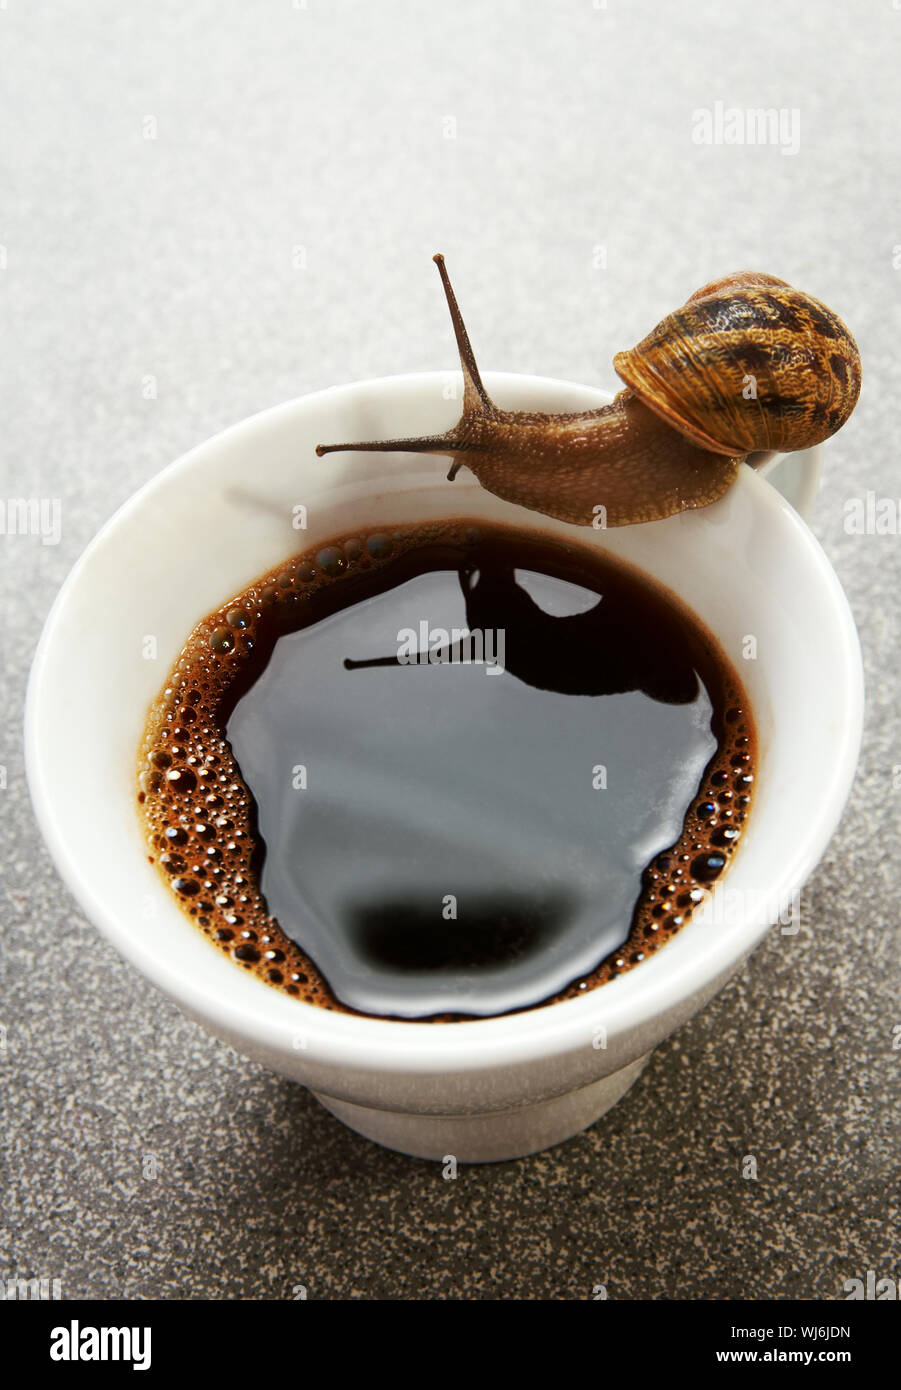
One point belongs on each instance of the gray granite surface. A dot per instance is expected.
(518, 138)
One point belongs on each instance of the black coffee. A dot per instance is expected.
(446, 771)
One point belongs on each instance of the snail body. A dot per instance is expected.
(748, 366)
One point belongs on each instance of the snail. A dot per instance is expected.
(749, 366)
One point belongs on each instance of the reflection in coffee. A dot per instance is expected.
(445, 771)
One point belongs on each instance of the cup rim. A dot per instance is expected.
(624, 1005)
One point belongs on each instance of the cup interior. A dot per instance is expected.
(218, 518)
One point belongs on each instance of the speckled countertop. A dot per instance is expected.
(207, 209)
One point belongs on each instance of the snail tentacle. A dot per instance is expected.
(477, 404)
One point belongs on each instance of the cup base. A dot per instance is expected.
(491, 1138)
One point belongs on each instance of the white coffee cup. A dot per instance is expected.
(224, 514)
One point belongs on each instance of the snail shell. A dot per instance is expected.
(748, 363)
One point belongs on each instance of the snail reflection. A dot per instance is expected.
(597, 652)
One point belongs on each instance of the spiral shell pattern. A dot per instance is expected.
(748, 363)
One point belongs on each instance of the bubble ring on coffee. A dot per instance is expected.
(641, 655)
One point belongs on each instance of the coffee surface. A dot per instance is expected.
(445, 771)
